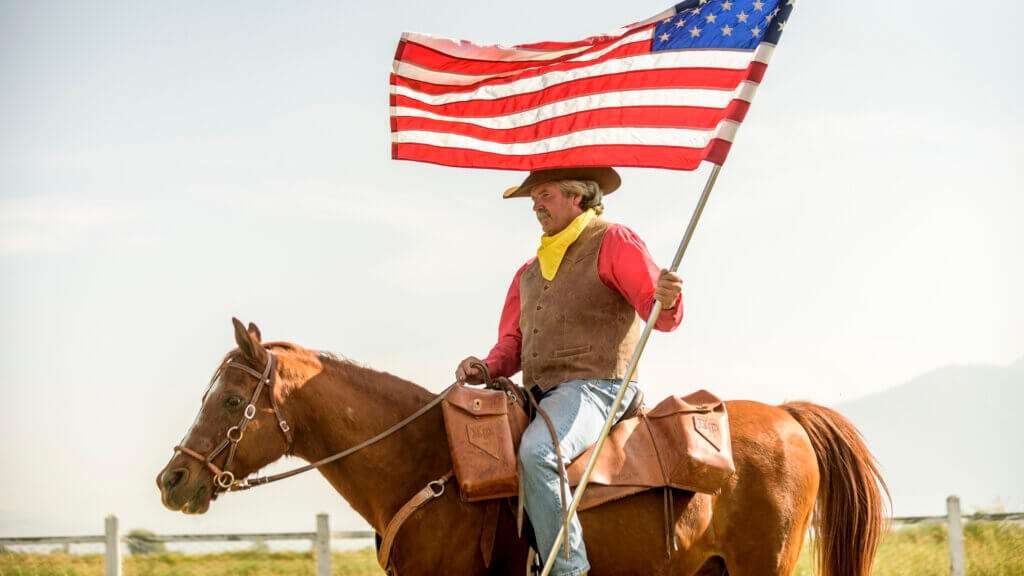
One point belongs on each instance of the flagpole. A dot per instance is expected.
(578, 494)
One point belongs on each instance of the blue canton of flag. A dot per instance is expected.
(738, 24)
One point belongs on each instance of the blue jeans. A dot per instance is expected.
(578, 410)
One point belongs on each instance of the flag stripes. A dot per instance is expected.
(647, 116)
(607, 100)
(607, 155)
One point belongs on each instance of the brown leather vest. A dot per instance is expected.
(574, 327)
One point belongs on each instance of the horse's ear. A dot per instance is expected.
(249, 343)
(254, 331)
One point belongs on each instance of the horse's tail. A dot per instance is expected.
(848, 514)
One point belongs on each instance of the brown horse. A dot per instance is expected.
(791, 460)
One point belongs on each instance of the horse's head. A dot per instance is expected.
(239, 428)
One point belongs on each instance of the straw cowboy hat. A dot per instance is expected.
(607, 178)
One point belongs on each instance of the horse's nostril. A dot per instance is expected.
(173, 478)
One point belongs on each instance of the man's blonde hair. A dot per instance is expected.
(588, 190)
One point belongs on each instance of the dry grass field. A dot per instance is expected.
(993, 549)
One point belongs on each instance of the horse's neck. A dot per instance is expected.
(346, 405)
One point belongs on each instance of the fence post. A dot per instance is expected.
(956, 536)
(322, 544)
(113, 554)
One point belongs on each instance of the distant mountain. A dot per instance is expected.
(1018, 365)
(956, 430)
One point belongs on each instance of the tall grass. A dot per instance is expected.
(992, 549)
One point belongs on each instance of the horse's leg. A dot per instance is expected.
(772, 557)
(762, 513)
(776, 554)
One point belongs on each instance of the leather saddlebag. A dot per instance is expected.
(693, 441)
(484, 427)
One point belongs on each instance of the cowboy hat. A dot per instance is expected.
(607, 178)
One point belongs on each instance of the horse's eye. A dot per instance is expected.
(233, 402)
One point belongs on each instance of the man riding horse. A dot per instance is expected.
(571, 321)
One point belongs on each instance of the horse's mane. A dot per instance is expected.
(353, 370)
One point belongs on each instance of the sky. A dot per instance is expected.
(166, 166)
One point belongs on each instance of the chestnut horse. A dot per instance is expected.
(791, 460)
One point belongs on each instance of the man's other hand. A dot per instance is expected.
(467, 373)
(670, 285)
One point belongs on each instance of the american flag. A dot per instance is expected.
(666, 92)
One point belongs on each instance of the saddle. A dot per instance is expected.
(681, 443)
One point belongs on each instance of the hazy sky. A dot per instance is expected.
(165, 166)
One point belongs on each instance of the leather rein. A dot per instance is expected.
(224, 479)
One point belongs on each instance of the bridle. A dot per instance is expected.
(223, 477)
(224, 480)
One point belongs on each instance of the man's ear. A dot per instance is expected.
(249, 343)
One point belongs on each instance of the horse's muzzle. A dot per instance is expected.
(178, 493)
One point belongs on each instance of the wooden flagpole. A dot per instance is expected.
(578, 495)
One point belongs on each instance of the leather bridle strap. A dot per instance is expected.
(429, 492)
(206, 462)
(224, 479)
(267, 378)
(256, 481)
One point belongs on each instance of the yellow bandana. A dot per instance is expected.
(552, 248)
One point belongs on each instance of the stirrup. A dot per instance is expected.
(533, 565)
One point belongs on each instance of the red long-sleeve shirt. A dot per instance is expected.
(624, 265)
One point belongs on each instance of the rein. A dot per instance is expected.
(226, 481)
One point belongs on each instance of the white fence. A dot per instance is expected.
(112, 540)
(321, 539)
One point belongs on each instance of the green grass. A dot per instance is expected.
(993, 549)
(243, 563)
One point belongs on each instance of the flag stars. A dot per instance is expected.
(726, 31)
(755, 31)
(710, 18)
(666, 20)
(742, 17)
(758, 5)
(782, 25)
(695, 11)
(664, 37)
(680, 23)
(726, 5)
(695, 32)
